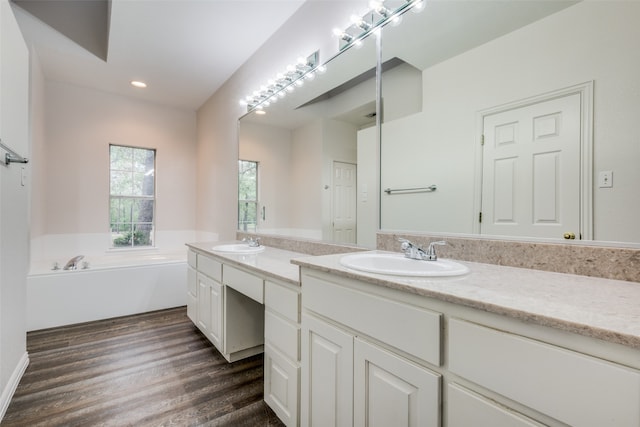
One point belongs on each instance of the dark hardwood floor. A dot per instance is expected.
(152, 369)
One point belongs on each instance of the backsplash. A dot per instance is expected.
(595, 261)
(310, 247)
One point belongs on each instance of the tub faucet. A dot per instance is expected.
(253, 243)
(416, 252)
(72, 264)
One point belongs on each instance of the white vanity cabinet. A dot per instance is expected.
(362, 362)
(376, 352)
(230, 319)
(249, 304)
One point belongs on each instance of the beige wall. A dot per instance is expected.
(71, 198)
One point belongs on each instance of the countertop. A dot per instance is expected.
(272, 262)
(600, 308)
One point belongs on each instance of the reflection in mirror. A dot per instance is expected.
(518, 73)
(307, 152)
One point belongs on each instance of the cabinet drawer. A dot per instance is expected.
(282, 300)
(245, 283)
(466, 408)
(378, 317)
(210, 267)
(192, 258)
(283, 335)
(571, 387)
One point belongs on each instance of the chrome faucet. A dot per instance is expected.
(252, 242)
(416, 252)
(72, 264)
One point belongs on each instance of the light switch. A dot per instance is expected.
(605, 179)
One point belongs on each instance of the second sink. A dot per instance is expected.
(399, 265)
(238, 248)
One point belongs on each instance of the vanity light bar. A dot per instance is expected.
(377, 17)
(284, 82)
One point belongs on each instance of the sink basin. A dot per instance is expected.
(238, 248)
(399, 265)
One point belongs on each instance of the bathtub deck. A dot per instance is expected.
(149, 369)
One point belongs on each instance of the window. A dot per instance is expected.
(132, 196)
(247, 195)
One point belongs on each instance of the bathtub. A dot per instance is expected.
(113, 285)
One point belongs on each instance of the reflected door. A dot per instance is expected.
(531, 170)
(344, 202)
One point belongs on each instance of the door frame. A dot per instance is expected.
(585, 90)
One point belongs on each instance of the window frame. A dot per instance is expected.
(242, 226)
(133, 225)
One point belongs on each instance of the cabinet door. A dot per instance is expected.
(391, 391)
(192, 294)
(216, 322)
(204, 304)
(281, 377)
(327, 375)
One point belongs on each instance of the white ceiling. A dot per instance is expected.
(183, 49)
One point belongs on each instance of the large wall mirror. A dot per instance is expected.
(557, 101)
(511, 71)
(306, 150)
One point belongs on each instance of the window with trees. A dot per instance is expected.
(132, 196)
(247, 195)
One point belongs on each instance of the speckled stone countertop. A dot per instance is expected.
(272, 262)
(600, 308)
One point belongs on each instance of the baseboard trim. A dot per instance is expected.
(12, 385)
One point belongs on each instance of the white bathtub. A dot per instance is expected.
(114, 285)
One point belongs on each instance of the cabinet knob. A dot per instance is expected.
(569, 235)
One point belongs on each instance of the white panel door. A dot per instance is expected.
(531, 170)
(391, 391)
(327, 375)
(344, 202)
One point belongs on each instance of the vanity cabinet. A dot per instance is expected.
(231, 320)
(379, 355)
(362, 364)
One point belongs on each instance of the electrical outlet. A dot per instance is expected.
(605, 179)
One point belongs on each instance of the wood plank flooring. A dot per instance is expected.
(152, 369)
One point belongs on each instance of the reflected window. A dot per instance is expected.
(247, 195)
(132, 196)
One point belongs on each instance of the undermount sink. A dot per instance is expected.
(399, 265)
(238, 248)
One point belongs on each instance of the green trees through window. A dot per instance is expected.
(132, 196)
(247, 195)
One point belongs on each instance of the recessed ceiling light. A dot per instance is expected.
(137, 83)
(261, 112)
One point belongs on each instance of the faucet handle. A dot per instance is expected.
(431, 251)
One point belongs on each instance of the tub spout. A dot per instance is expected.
(72, 264)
